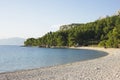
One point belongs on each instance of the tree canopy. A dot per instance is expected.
(103, 32)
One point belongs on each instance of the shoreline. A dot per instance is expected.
(102, 68)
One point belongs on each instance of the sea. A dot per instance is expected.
(15, 57)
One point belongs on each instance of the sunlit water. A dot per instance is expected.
(14, 58)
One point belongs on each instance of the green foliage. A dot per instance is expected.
(31, 42)
(104, 32)
(102, 43)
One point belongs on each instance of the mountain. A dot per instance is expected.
(12, 41)
(104, 32)
(69, 26)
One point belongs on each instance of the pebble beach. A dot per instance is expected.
(103, 68)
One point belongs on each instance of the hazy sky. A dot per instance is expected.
(33, 18)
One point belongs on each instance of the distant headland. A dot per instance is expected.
(12, 41)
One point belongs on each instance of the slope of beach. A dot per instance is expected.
(104, 68)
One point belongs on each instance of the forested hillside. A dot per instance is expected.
(102, 32)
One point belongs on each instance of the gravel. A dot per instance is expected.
(104, 68)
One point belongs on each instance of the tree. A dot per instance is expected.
(104, 32)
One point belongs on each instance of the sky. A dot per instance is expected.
(34, 18)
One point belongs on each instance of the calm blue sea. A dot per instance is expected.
(14, 58)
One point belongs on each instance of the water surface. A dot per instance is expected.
(14, 58)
